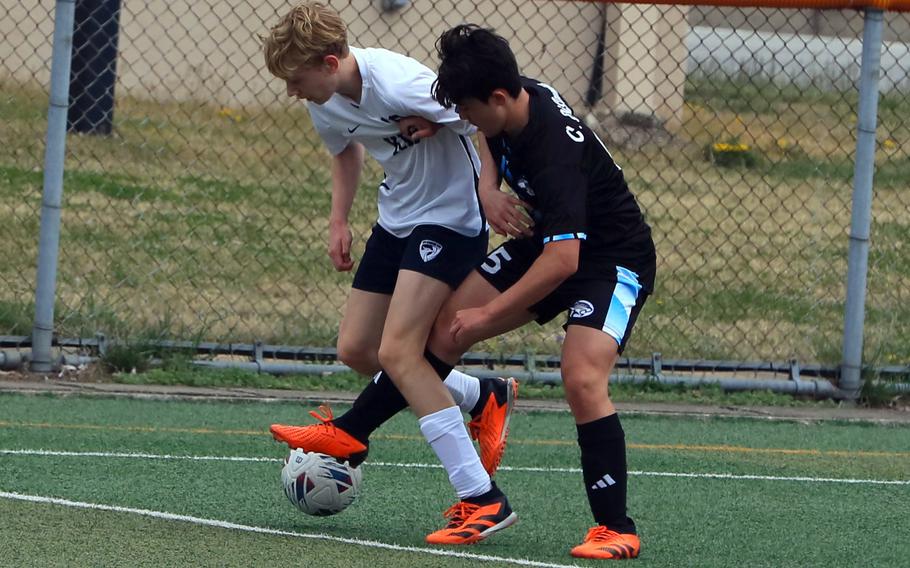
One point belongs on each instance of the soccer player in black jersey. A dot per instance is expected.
(590, 254)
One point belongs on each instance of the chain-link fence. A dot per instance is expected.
(203, 213)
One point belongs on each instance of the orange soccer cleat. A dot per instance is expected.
(470, 522)
(491, 426)
(605, 544)
(324, 438)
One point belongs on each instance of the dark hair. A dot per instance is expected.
(473, 62)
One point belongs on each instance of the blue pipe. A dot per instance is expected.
(54, 157)
(861, 215)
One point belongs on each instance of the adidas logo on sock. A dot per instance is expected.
(604, 482)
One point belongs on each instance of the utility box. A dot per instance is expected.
(93, 71)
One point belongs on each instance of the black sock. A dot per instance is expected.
(603, 464)
(380, 400)
(441, 367)
(485, 386)
(375, 404)
(493, 494)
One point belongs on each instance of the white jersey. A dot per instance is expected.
(428, 182)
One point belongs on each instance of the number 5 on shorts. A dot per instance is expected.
(494, 261)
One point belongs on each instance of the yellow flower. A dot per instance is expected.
(723, 147)
(889, 144)
(783, 143)
(229, 113)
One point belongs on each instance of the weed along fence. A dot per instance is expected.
(170, 194)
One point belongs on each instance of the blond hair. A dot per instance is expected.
(305, 35)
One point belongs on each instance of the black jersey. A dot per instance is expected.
(561, 168)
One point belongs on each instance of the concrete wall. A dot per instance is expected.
(827, 63)
(189, 50)
(645, 65)
(26, 33)
(836, 23)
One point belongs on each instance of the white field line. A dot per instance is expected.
(263, 530)
(139, 455)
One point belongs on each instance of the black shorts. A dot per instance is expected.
(608, 296)
(432, 250)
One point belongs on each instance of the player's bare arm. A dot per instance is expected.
(506, 214)
(418, 127)
(557, 262)
(346, 168)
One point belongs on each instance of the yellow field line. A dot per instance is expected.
(704, 448)
(785, 451)
(105, 427)
(512, 441)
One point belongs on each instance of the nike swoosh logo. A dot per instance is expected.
(351, 130)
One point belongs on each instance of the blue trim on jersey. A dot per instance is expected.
(565, 237)
(504, 170)
(625, 294)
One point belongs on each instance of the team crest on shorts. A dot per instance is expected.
(429, 250)
(581, 309)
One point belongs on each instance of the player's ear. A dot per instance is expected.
(331, 62)
(498, 97)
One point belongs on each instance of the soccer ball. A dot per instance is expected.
(319, 484)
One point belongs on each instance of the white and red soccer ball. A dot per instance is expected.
(319, 484)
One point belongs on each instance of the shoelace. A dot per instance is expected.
(326, 411)
(459, 513)
(600, 533)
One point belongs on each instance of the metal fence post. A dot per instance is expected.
(861, 215)
(49, 240)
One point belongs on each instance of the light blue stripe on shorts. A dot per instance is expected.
(625, 294)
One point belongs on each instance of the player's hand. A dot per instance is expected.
(468, 321)
(506, 214)
(417, 127)
(340, 239)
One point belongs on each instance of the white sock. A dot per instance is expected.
(446, 433)
(465, 389)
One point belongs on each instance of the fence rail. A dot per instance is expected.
(202, 214)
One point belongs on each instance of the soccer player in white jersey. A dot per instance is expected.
(591, 256)
(429, 236)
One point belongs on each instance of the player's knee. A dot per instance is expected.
(442, 344)
(584, 387)
(394, 356)
(400, 358)
(362, 359)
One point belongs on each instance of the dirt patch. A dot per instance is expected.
(84, 373)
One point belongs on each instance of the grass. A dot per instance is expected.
(212, 224)
(151, 542)
(736, 516)
(16, 318)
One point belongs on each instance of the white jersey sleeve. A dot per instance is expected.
(334, 139)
